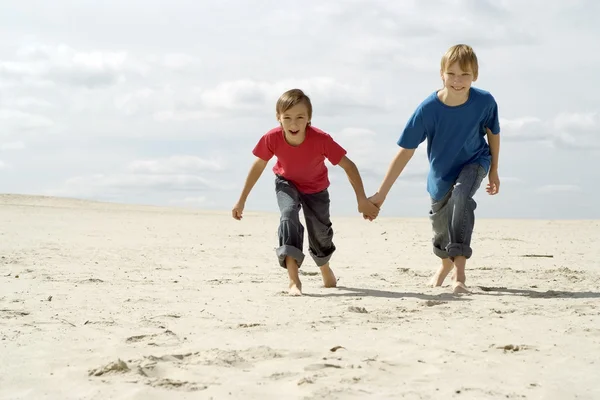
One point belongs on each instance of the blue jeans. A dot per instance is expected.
(291, 231)
(453, 217)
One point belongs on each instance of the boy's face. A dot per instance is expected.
(294, 122)
(456, 80)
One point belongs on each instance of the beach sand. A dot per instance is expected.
(109, 301)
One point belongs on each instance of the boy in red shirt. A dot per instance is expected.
(301, 181)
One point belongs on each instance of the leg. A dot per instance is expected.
(295, 288)
(442, 273)
(462, 220)
(439, 216)
(320, 232)
(291, 232)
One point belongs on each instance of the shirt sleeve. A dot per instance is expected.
(492, 122)
(264, 148)
(414, 132)
(333, 151)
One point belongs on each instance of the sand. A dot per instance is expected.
(108, 301)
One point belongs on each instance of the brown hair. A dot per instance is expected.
(291, 98)
(464, 55)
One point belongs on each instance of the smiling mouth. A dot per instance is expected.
(294, 132)
(457, 88)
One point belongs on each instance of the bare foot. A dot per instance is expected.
(329, 279)
(442, 273)
(295, 288)
(459, 287)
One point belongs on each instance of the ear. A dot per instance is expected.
(277, 117)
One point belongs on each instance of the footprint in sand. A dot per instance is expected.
(160, 371)
(8, 314)
(118, 366)
(175, 384)
(144, 372)
(103, 322)
(318, 367)
(359, 310)
(92, 280)
(511, 348)
(164, 338)
(432, 303)
(254, 325)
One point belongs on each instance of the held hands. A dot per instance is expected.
(374, 201)
(238, 210)
(368, 209)
(377, 199)
(493, 186)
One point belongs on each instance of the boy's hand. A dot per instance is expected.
(377, 199)
(238, 210)
(493, 186)
(368, 209)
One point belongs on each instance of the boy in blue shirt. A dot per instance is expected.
(455, 121)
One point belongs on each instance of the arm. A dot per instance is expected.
(494, 142)
(364, 205)
(414, 133)
(395, 169)
(255, 172)
(494, 181)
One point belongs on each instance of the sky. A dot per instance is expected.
(161, 102)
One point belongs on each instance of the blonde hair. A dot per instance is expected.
(465, 57)
(292, 98)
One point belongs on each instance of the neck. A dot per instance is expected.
(452, 100)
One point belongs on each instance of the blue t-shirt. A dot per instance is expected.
(455, 136)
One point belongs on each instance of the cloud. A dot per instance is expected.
(63, 65)
(577, 122)
(400, 35)
(576, 131)
(12, 146)
(525, 129)
(122, 186)
(559, 188)
(180, 61)
(14, 121)
(195, 201)
(372, 153)
(27, 103)
(180, 173)
(129, 109)
(511, 179)
(247, 98)
(175, 165)
(330, 96)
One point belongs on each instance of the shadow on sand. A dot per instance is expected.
(346, 291)
(358, 292)
(549, 294)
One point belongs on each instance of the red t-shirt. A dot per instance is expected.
(303, 165)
